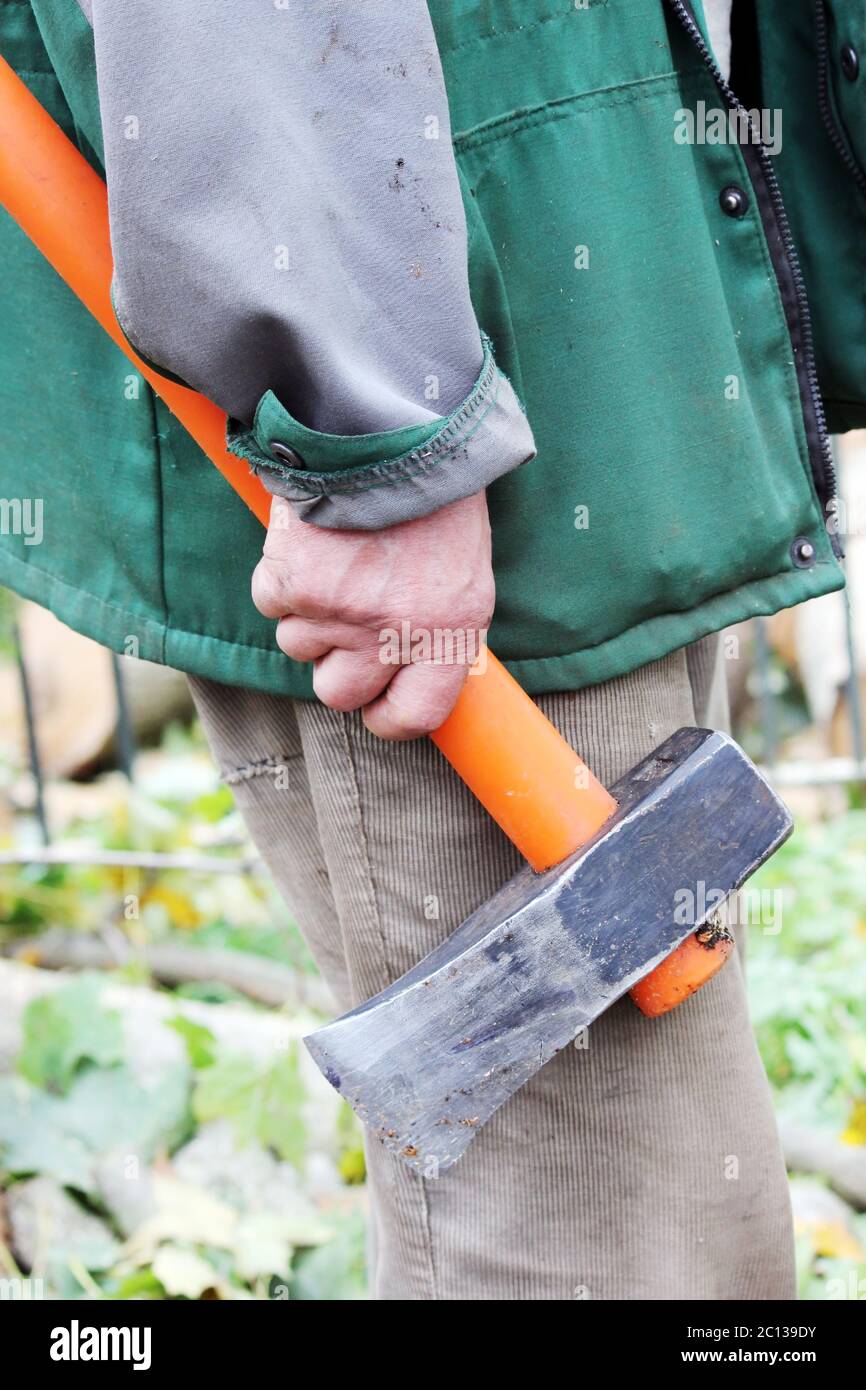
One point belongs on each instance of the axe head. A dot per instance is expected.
(426, 1062)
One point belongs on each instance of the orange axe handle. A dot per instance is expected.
(513, 759)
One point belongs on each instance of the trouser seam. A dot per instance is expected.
(345, 733)
(258, 768)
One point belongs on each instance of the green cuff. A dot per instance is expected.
(368, 481)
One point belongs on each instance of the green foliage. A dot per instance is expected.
(214, 805)
(263, 1103)
(143, 1283)
(807, 982)
(66, 1031)
(76, 1107)
(200, 1041)
(351, 1161)
(193, 1162)
(104, 1111)
(337, 1271)
(114, 1111)
(35, 1138)
(807, 991)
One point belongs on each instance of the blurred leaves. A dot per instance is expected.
(807, 991)
(193, 1172)
(66, 1030)
(262, 1103)
(855, 1132)
(335, 1272)
(807, 984)
(63, 1136)
(200, 1041)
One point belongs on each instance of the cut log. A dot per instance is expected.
(74, 697)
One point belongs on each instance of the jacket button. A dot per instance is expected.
(803, 553)
(733, 201)
(288, 456)
(850, 62)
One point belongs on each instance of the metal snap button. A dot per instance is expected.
(803, 553)
(290, 457)
(850, 62)
(733, 201)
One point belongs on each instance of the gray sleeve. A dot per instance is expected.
(289, 239)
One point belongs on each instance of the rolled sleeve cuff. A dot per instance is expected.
(367, 482)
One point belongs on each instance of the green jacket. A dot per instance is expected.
(645, 294)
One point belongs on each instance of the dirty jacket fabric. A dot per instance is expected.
(642, 294)
(334, 319)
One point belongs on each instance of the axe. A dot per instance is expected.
(601, 907)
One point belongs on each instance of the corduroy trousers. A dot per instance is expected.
(644, 1164)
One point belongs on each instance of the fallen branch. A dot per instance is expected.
(131, 859)
(266, 981)
(843, 1165)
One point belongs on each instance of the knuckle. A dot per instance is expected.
(340, 690)
(300, 646)
(440, 703)
(270, 590)
(429, 704)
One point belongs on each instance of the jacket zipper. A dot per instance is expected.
(797, 311)
(825, 106)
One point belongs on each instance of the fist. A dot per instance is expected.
(392, 619)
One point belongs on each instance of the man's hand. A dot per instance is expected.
(391, 619)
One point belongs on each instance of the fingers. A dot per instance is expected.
(348, 680)
(416, 701)
(349, 672)
(353, 602)
(399, 702)
(305, 640)
(270, 589)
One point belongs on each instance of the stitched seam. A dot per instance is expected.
(564, 107)
(258, 768)
(792, 386)
(272, 659)
(380, 474)
(345, 733)
(157, 625)
(77, 589)
(439, 440)
(398, 470)
(440, 443)
(439, 448)
(478, 39)
(359, 815)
